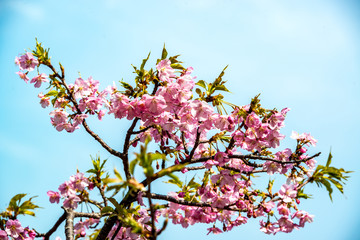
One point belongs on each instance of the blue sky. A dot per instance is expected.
(304, 55)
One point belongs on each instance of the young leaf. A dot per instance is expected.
(164, 53)
(202, 83)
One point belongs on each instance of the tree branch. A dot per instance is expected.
(47, 235)
(195, 204)
(126, 148)
(74, 102)
(69, 224)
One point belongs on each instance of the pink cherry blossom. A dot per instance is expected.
(304, 217)
(3, 235)
(268, 227)
(39, 79)
(214, 230)
(13, 228)
(288, 192)
(286, 224)
(27, 62)
(71, 201)
(23, 76)
(165, 70)
(44, 101)
(67, 189)
(283, 210)
(54, 196)
(79, 181)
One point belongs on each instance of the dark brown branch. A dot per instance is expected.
(116, 231)
(255, 157)
(196, 144)
(184, 143)
(102, 143)
(188, 203)
(126, 148)
(245, 172)
(46, 236)
(152, 213)
(142, 130)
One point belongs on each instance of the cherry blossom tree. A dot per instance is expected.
(179, 127)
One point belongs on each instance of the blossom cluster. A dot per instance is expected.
(183, 127)
(81, 226)
(27, 63)
(71, 191)
(14, 229)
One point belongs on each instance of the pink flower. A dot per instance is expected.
(90, 221)
(283, 209)
(165, 71)
(304, 217)
(154, 104)
(286, 225)
(101, 114)
(252, 120)
(26, 62)
(39, 79)
(44, 101)
(221, 158)
(268, 228)
(268, 206)
(214, 230)
(79, 229)
(79, 181)
(287, 192)
(23, 76)
(306, 137)
(13, 228)
(201, 110)
(67, 189)
(81, 88)
(3, 235)
(71, 201)
(59, 119)
(54, 196)
(27, 234)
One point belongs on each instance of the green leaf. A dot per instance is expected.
(132, 165)
(116, 204)
(219, 78)
(126, 85)
(52, 93)
(174, 180)
(328, 176)
(107, 209)
(144, 62)
(202, 83)
(301, 194)
(18, 208)
(117, 174)
(221, 88)
(177, 66)
(16, 199)
(167, 171)
(164, 53)
(329, 159)
(193, 184)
